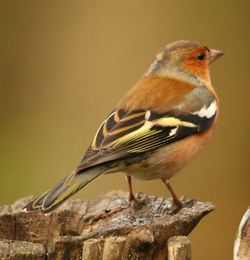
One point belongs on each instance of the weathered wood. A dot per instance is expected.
(92, 249)
(115, 248)
(179, 248)
(21, 250)
(103, 228)
(242, 242)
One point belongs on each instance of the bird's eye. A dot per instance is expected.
(201, 56)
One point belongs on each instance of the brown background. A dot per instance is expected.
(65, 64)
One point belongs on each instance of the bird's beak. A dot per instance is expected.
(214, 55)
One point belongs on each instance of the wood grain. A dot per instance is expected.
(104, 228)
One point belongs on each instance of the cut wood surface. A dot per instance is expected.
(97, 229)
(179, 248)
(242, 242)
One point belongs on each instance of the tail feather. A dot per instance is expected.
(54, 197)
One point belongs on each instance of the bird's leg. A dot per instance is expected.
(131, 197)
(177, 205)
(133, 202)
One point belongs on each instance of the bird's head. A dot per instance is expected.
(184, 60)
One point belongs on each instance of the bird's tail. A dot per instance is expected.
(64, 189)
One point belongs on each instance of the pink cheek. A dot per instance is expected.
(196, 67)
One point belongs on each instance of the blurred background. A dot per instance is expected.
(65, 64)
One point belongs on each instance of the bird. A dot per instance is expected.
(155, 129)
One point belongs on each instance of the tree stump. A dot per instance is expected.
(242, 242)
(99, 229)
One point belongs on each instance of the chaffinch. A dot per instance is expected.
(156, 128)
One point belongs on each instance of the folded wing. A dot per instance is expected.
(124, 134)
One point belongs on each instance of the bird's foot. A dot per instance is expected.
(134, 202)
(175, 207)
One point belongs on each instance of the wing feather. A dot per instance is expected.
(125, 134)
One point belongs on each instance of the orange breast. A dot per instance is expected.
(168, 160)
